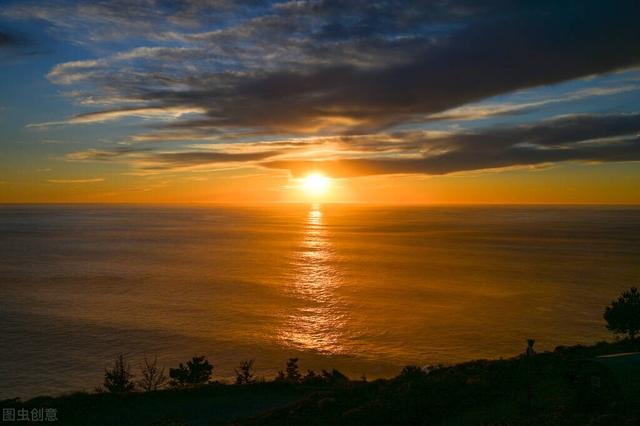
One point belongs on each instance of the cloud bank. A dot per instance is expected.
(357, 71)
(583, 138)
(611, 138)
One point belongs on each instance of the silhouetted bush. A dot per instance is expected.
(334, 377)
(412, 372)
(119, 378)
(291, 373)
(152, 377)
(568, 386)
(244, 373)
(324, 377)
(196, 372)
(623, 315)
(311, 378)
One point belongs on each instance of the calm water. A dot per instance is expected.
(363, 289)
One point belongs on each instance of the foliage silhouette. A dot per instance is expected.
(334, 377)
(119, 378)
(244, 373)
(311, 378)
(291, 373)
(197, 371)
(412, 372)
(153, 378)
(623, 315)
(572, 385)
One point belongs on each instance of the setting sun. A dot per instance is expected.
(316, 184)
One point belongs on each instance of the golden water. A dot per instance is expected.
(360, 288)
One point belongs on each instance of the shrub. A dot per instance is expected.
(412, 372)
(119, 378)
(152, 377)
(623, 315)
(196, 372)
(334, 377)
(244, 373)
(311, 378)
(291, 373)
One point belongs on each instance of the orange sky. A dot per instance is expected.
(576, 183)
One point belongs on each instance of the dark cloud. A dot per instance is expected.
(484, 59)
(339, 67)
(575, 138)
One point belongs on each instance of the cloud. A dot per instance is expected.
(318, 67)
(71, 181)
(102, 116)
(146, 159)
(484, 110)
(586, 138)
(344, 75)
(103, 155)
(179, 160)
(583, 138)
(85, 21)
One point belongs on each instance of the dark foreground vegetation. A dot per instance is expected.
(569, 386)
(579, 385)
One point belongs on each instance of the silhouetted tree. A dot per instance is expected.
(623, 315)
(293, 372)
(196, 372)
(411, 372)
(152, 377)
(119, 378)
(244, 373)
(334, 377)
(311, 377)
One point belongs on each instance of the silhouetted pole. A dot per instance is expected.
(530, 352)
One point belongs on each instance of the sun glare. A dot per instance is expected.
(316, 184)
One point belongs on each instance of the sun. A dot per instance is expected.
(316, 184)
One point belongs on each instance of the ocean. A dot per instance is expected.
(364, 289)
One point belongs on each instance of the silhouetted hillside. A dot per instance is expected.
(568, 386)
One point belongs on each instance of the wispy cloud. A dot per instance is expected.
(102, 116)
(70, 181)
(149, 160)
(488, 110)
(84, 21)
(585, 138)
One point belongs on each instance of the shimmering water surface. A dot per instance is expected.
(362, 289)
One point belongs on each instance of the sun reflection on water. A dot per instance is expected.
(316, 323)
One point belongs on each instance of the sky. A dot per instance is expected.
(221, 101)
